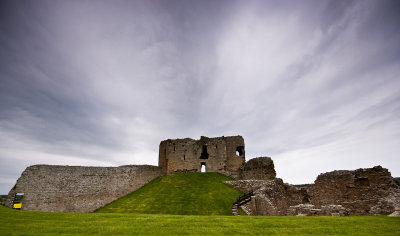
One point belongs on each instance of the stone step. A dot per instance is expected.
(236, 205)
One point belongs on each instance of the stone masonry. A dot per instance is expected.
(368, 191)
(85, 189)
(258, 168)
(363, 191)
(271, 197)
(223, 155)
(78, 188)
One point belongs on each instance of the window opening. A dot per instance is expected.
(184, 157)
(203, 167)
(239, 150)
(204, 154)
(17, 204)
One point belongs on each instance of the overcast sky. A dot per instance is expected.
(313, 84)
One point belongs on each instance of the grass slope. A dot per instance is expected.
(180, 194)
(14, 222)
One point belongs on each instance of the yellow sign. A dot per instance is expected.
(17, 205)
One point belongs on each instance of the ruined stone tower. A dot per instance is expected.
(223, 154)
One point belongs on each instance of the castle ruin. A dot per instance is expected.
(369, 191)
(224, 155)
(85, 189)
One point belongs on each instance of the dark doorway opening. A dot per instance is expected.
(239, 150)
(203, 167)
(204, 154)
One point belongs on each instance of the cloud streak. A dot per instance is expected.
(313, 84)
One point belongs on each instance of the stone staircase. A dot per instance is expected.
(241, 201)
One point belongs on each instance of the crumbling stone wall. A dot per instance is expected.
(271, 197)
(363, 191)
(339, 193)
(223, 155)
(258, 168)
(78, 188)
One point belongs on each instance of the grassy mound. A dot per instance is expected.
(180, 194)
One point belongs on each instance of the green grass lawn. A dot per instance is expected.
(15, 222)
(179, 194)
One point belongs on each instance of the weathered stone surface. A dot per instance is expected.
(247, 210)
(311, 210)
(271, 197)
(222, 154)
(303, 210)
(77, 188)
(258, 168)
(334, 210)
(395, 214)
(339, 193)
(362, 191)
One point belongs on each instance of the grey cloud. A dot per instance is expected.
(103, 82)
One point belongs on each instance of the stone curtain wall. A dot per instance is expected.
(223, 155)
(77, 188)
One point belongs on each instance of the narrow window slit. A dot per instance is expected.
(204, 154)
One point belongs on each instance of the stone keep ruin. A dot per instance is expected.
(223, 155)
(85, 189)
